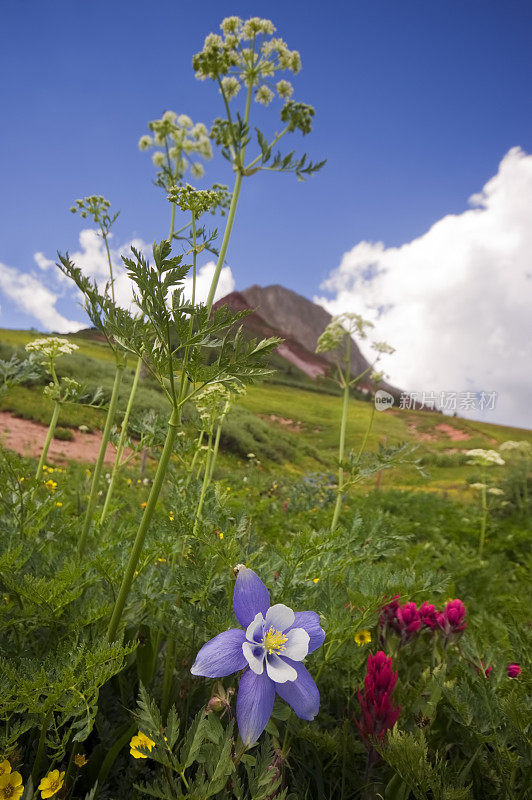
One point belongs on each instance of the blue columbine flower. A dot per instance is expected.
(270, 650)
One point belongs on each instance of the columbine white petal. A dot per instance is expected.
(254, 655)
(279, 617)
(296, 645)
(278, 670)
(254, 631)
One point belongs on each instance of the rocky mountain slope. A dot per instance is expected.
(281, 312)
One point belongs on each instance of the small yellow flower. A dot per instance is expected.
(140, 740)
(221, 535)
(171, 516)
(80, 760)
(161, 560)
(88, 473)
(21, 479)
(362, 637)
(51, 783)
(143, 505)
(315, 580)
(5, 767)
(59, 505)
(51, 485)
(129, 481)
(11, 787)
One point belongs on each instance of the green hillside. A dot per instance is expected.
(293, 428)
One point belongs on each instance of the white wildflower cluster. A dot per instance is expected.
(493, 490)
(94, 205)
(512, 448)
(484, 458)
(243, 56)
(199, 200)
(383, 348)
(378, 377)
(182, 142)
(51, 346)
(341, 326)
(214, 401)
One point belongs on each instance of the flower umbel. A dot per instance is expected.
(270, 650)
(51, 783)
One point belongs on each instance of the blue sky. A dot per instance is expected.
(417, 102)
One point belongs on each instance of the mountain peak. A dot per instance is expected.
(278, 311)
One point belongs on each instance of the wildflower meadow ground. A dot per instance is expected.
(178, 626)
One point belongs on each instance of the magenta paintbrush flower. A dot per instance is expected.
(513, 670)
(378, 712)
(452, 618)
(270, 650)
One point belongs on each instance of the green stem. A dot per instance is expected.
(138, 544)
(366, 435)
(121, 442)
(204, 486)
(232, 211)
(196, 454)
(225, 240)
(35, 773)
(217, 442)
(99, 462)
(341, 446)
(110, 264)
(484, 518)
(168, 677)
(172, 222)
(49, 437)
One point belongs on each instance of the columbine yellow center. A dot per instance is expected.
(274, 641)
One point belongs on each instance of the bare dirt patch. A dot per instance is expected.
(27, 438)
(286, 422)
(453, 433)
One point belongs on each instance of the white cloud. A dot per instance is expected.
(226, 282)
(36, 299)
(455, 302)
(31, 294)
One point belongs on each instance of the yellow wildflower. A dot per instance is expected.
(51, 783)
(11, 787)
(315, 580)
(140, 740)
(143, 505)
(80, 760)
(362, 637)
(59, 505)
(5, 767)
(88, 473)
(221, 535)
(51, 485)
(129, 481)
